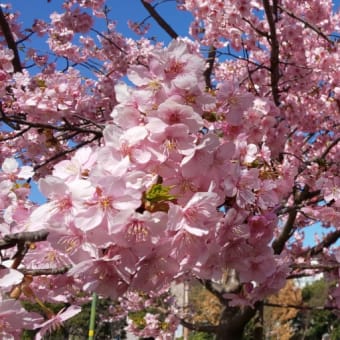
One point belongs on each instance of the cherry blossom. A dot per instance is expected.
(204, 158)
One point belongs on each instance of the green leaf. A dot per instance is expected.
(159, 193)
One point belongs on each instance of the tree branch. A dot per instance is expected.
(307, 24)
(328, 149)
(44, 271)
(65, 152)
(315, 267)
(277, 305)
(10, 240)
(160, 21)
(214, 288)
(208, 71)
(230, 283)
(69, 127)
(299, 197)
(330, 239)
(274, 53)
(6, 30)
(200, 327)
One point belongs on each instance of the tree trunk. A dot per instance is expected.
(233, 322)
(229, 335)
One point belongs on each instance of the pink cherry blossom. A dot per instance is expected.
(199, 158)
(57, 321)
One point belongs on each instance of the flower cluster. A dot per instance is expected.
(181, 167)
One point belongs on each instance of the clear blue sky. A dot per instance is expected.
(121, 11)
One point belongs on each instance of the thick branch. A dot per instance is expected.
(299, 197)
(200, 327)
(268, 304)
(274, 53)
(6, 30)
(209, 69)
(45, 271)
(233, 321)
(22, 249)
(10, 240)
(330, 239)
(229, 283)
(160, 21)
(323, 267)
(214, 288)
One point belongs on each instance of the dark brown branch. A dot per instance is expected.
(24, 38)
(330, 239)
(72, 127)
(14, 136)
(22, 249)
(214, 288)
(229, 283)
(268, 304)
(208, 71)
(302, 274)
(234, 319)
(299, 196)
(199, 327)
(109, 40)
(328, 149)
(45, 271)
(321, 267)
(307, 24)
(160, 21)
(259, 32)
(22, 241)
(275, 10)
(258, 66)
(99, 126)
(11, 240)
(6, 30)
(274, 53)
(65, 152)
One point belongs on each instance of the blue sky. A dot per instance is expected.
(121, 11)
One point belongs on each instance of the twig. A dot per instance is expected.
(109, 40)
(65, 152)
(6, 30)
(24, 38)
(309, 25)
(160, 21)
(259, 32)
(328, 149)
(49, 126)
(15, 135)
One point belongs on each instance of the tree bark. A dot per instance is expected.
(233, 322)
